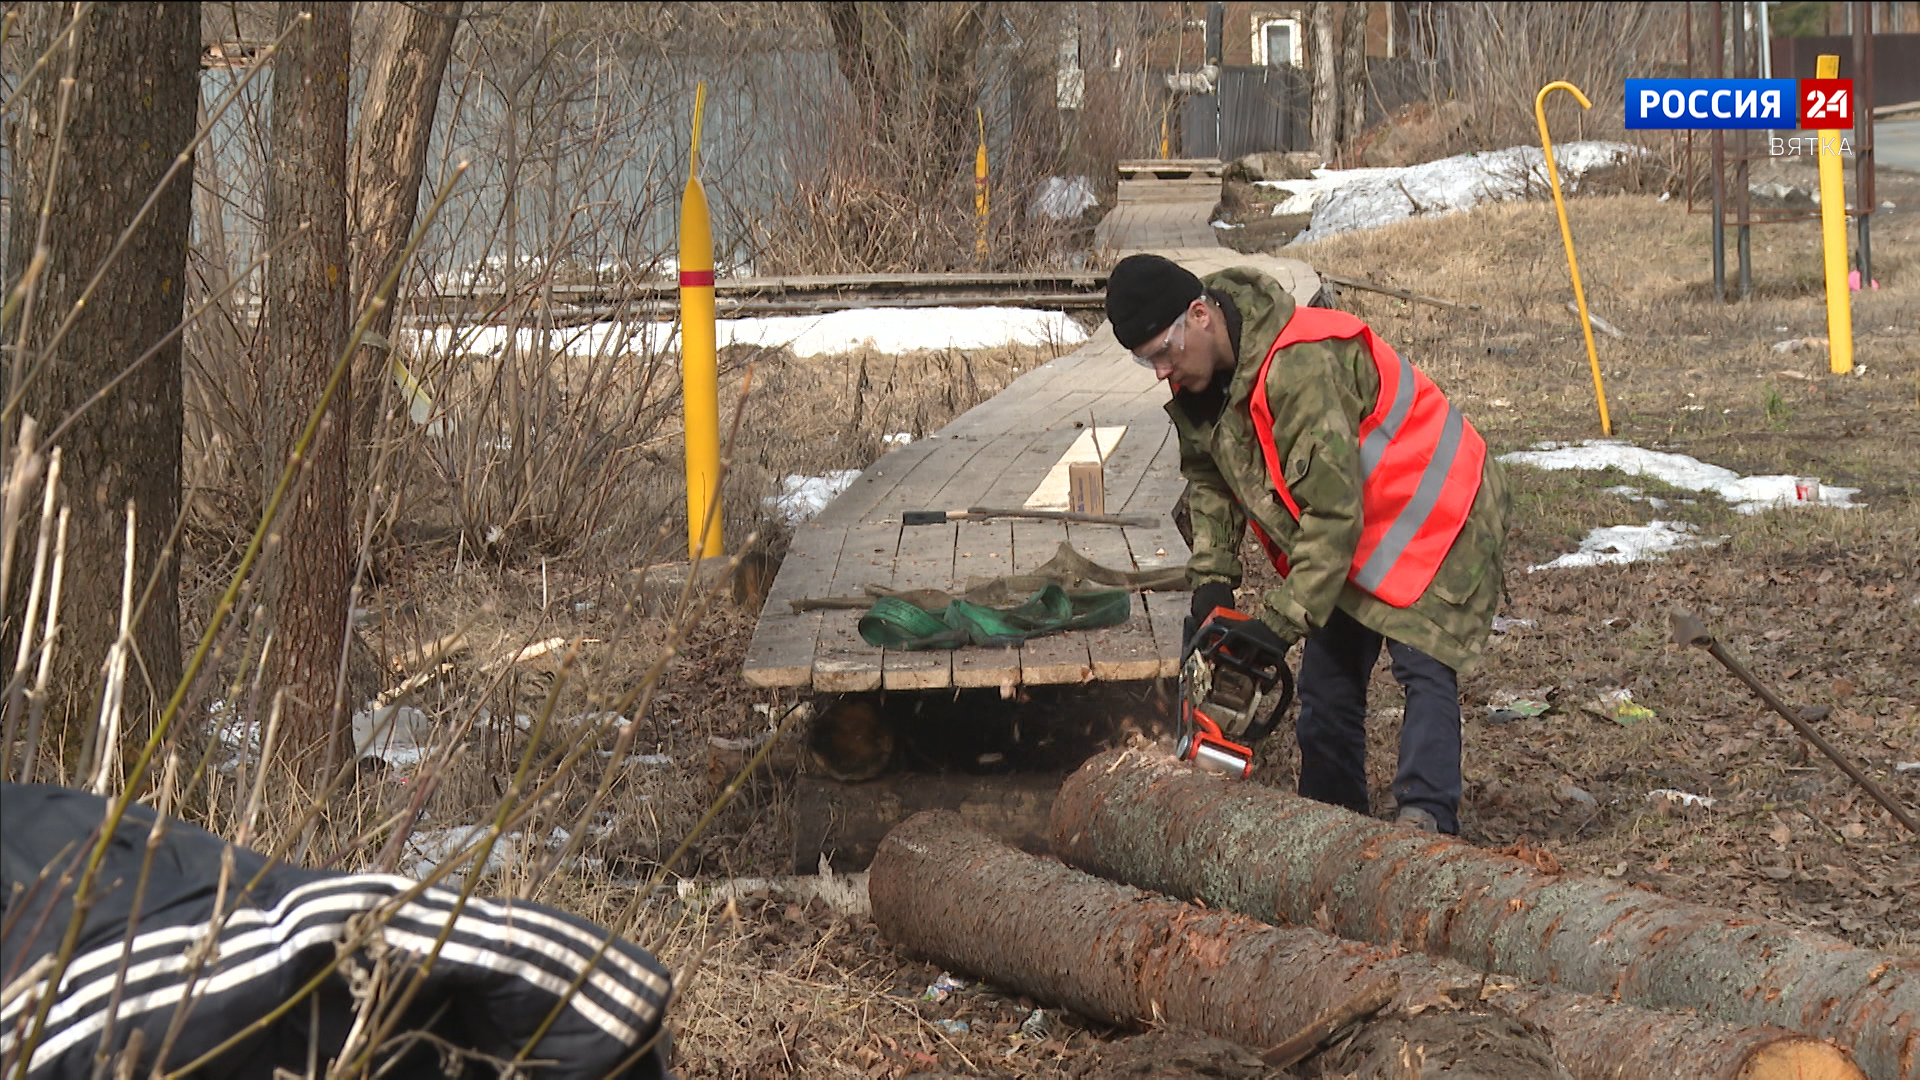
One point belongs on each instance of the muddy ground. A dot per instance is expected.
(1821, 603)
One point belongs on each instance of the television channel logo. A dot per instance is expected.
(1737, 104)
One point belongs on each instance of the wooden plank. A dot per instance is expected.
(842, 663)
(1056, 658)
(1147, 433)
(873, 485)
(781, 653)
(1166, 611)
(982, 549)
(1128, 651)
(924, 561)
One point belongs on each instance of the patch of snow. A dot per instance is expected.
(1747, 494)
(896, 440)
(801, 497)
(1352, 199)
(897, 330)
(1225, 225)
(1614, 545)
(1063, 198)
(888, 330)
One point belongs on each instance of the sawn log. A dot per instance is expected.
(1136, 816)
(946, 891)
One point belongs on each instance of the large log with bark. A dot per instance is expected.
(1136, 816)
(1108, 951)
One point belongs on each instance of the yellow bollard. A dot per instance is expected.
(699, 356)
(1833, 238)
(980, 189)
(1566, 235)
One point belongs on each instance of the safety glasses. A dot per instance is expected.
(1158, 356)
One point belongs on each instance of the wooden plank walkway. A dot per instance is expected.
(996, 454)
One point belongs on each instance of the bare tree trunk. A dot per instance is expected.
(1281, 858)
(383, 175)
(1353, 72)
(306, 295)
(923, 120)
(1322, 52)
(940, 888)
(135, 92)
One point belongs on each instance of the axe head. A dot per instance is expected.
(1688, 630)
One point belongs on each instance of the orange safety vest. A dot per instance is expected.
(1420, 465)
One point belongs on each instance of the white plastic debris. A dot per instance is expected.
(1504, 625)
(1063, 198)
(801, 497)
(1673, 797)
(943, 988)
(396, 734)
(1907, 767)
(1747, 494)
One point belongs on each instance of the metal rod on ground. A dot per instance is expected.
(1688, 630)
(1389, 290)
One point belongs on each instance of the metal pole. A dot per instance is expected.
(1863, 199)
(1743, 232)
(1719, 163)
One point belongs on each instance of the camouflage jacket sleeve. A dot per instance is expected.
(1316, 441)
(1219, 524)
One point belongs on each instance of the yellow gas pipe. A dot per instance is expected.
(980, 189)
(699, 356)
(1566, 235)
(1833, 238)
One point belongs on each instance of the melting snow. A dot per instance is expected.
(1345, 200)
(889, 330)
(1747, 494)
(1616, 544)
(801, 497)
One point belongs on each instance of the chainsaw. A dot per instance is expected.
(1228, 675)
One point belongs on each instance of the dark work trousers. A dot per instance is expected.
(1332, 729)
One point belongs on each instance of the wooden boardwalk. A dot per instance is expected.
(997, 454)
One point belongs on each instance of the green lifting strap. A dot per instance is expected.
(892, 623)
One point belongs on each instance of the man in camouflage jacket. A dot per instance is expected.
(1209, 340)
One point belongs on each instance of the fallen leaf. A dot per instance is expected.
(1842, 688)
(1853, 830)
(1781, 835)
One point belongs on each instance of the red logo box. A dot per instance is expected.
(1826, 103)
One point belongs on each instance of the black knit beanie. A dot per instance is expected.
(1145, 294)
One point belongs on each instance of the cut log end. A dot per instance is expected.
(1800, 1059)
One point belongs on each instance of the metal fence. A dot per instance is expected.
(1251, 110)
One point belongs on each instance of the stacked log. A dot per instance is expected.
(1137, 817)
(1107, 951)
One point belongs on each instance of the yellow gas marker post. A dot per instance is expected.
(699, 356)
(980, 188)
(1833, 238)
(1566, 235)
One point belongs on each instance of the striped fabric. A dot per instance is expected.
(503, 968)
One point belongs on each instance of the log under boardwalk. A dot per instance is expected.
(1000, 453)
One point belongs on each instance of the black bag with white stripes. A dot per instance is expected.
(304, 964)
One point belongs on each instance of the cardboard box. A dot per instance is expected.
(1086, 488)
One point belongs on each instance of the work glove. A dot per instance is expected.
(1214, 594)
